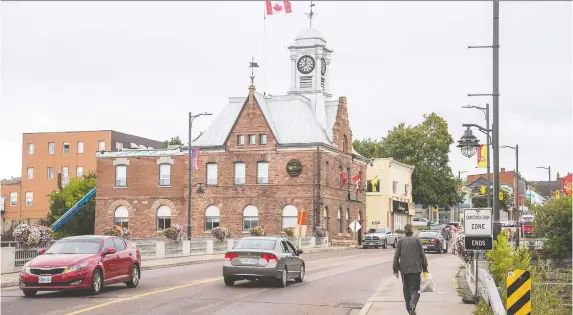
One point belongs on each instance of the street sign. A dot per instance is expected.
(478, 243)
(518, 286)
(477, 222)
(354, 226)
(301, 217)
(375, 222)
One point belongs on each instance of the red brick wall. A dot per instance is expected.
(142, 197)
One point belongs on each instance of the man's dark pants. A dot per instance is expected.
(411, 287)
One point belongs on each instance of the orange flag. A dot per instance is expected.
(482, 156)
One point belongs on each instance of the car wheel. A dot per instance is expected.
(440, 250)
(384, 244)
(97, 282)
(394, 244)
(134, 280)
(229, 281)
(364, 246)
(29, 293)
(283, 280)
(376, 247)
(300, 278)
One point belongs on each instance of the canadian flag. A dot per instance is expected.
(278, 7)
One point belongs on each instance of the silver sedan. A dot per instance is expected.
(254, 258)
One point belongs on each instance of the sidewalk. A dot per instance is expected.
(12, 279)
(389, 299)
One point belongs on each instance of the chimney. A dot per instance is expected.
(503, 170)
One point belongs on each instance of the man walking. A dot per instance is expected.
(410, 260)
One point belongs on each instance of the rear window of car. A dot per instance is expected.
(75, 246)
(428, 234)
(255, 244)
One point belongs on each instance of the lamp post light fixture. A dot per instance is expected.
(548, 168)
(190, 160)
(468, 144)
(516, 190)
(485, 110)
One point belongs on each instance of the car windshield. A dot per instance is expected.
(255, 244)
(376, 231)
(428, 234)
(75, 246)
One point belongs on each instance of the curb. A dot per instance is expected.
(187, 263)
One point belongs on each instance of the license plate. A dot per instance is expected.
(425, 246)
(425, 242)
(45, 279)
(249, 261)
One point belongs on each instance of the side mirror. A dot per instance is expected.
(41, 251)
(109, 251)
(299, 251)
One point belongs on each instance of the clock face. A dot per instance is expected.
(306, 64)
(322, 66)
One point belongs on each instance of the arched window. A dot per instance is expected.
(121, 216)
(340, 220)
(250, 217)
(325, 217)
(348, 230)
(163, 218)
(212, 217)
(290, 214)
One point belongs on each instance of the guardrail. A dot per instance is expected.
(487, 289)
(14, 255)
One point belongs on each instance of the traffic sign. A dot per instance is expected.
(518, 286)
(375, 222)
(354, 226)
(478, 242)
(477, 222)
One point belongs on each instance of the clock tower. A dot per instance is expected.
(310, 63)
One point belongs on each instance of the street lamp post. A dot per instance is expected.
(189, 167)
(485, 110)
(459, 178)
(516, 190)
(548, 168)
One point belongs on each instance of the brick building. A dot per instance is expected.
(50, 160)
(263, 159)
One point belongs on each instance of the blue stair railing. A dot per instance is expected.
(73, 210)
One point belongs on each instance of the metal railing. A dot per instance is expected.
(487, 289)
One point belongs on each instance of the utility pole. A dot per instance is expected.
(495, 126)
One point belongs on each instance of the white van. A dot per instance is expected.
(417, 221)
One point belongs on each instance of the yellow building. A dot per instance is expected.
(389, 194)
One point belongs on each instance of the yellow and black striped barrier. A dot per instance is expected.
(518, 286)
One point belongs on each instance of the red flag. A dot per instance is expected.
(567, 184)
(356, 180)
(195, 159)
(276, 7)
(342, 177)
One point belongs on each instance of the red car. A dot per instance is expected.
(82, 263)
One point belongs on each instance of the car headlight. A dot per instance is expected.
(76, 267)
(26, 269)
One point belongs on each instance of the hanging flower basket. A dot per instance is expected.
(289, 231)
(257, 231)
(175, 233)
(32, 235)
(116, 230)
(220, 233)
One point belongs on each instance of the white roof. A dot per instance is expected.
(289, 116)
(309, 37)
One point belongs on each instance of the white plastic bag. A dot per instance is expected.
(427, 282)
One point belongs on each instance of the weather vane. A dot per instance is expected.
(253, 65)
(311, 14)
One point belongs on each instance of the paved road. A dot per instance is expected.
(335, 283)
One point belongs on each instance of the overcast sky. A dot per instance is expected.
(139, 67)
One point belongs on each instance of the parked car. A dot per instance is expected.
(254, 258)
(380, 237)
(454, 224)
(87, 262)
(433, 241)
(417, 221)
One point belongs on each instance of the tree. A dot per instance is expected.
(553, 222)
(424, 146)
(173, 141)
(81, 223)
(480, 201)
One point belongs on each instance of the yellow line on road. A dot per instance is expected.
(87, 309)
(91, 308)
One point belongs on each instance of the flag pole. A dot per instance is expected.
(265, 51)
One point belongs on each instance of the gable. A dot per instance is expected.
(250, 121)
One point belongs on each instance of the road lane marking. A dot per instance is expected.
(87, 309)
(91, 308)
